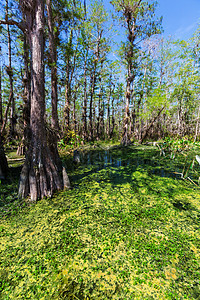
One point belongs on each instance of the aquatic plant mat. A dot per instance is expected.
(129, 229)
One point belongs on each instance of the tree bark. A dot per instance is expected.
(75, 127)
(10, 102)
(1, 107)
(108, 109)
(92, 89)
(21, 26)
(125, 136)
(69, 76)
(197, 125)
(27, 101)
(84, 112)
(130, 76)
(10, 74)
(99, 118)
(3, 162)
(53, 61)
(67, 99)
(5, 118)
(42, 172)
(113, 115)
(93, 81)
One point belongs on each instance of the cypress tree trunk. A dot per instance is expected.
(130, 78)
(113, 116)
(3, 162)
(68, 90)
(197, 125)
(108, 109)
(100, 120)
(1, 108)
(67, 101)
(11, 98)
(98, 134)
(93, 82)
(53, 61)
(92, 89)
(10, 74)
(84, 112)
(75, 127)
(125, 136)
(5, 118)
(27, 101)
(42, 173)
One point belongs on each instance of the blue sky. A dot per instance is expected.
(180, 17)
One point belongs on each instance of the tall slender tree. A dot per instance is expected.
(3, 162)
(9, 70)
(53, 66)
(23, 146)
(42, 173)
(137, 17)
(1, 107)
(84, 111)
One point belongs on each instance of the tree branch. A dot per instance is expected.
(152, 123)
(13, 22)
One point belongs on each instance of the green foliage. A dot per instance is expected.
(70, 140)
(133, 12)
(184, 150)
(155, 102)
(176, 145)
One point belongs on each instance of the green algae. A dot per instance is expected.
(128, 229)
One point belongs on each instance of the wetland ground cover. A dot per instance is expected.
(128, 229)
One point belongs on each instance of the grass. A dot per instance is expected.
(129, 229)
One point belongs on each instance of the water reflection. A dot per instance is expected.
(97, 160)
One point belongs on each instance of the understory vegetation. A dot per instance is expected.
(127, 229)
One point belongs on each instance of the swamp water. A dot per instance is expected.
(120, 162)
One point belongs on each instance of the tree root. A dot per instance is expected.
(41, 175)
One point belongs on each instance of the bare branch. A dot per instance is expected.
(13, 22)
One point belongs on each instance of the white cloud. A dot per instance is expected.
(183, 32)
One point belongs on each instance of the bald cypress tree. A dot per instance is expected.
(3, 162)
(42, 173)
(138, 17)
